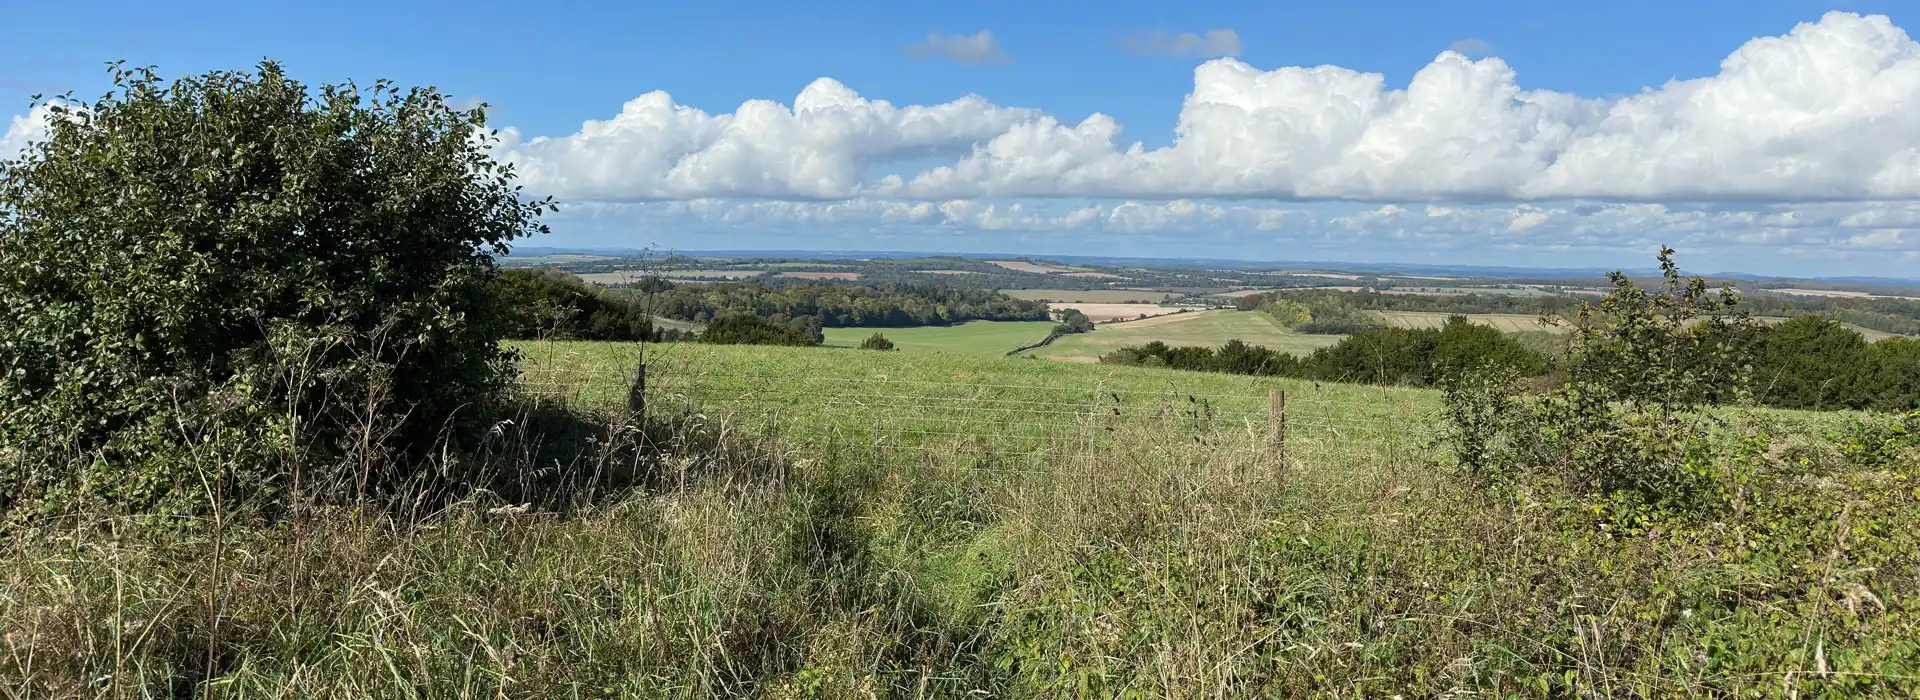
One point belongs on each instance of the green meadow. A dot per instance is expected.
(984, 338)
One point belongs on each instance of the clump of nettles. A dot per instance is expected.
(230, 286)
(1627, 423)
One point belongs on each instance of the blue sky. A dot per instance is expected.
(548, 68)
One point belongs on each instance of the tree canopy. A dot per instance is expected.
(237, 254)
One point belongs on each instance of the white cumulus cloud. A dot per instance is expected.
(1792, 238)
(976, 48)
(25, 129)
(657, 149)
(1213, 43)
(1823, 112)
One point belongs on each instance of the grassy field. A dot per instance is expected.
(1209, 328)
(1104, 296)
(984, 338)
(827, 523)
(973, 401)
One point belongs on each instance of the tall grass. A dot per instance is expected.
(786, 553)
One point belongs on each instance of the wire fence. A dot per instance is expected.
(992, 415)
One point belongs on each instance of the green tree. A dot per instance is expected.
(876, 342)
(1288, 313)
(1072, 321)
(1894, 384)
(1677, 347)
(1813, 362)
(234, 261)
(1623, 426)
(547, 303)
(751, 329)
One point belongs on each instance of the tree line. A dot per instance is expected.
(1807, 362)
(1340, 312)
(1400, 356)
(894, 305)
(547, 303)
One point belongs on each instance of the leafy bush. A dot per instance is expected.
(876, 342)
(1416, 357)
(1341, 321)
(550, 304)
(1072, 321)
(752, 329)
(1895, 383)
(1814, 362)
(836, 305)
(235, 264)
(1623, 425)
(1288, 313)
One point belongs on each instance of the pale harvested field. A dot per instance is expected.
(1835, 293)
(620, 277)
(1821, 293)
(821, 275)
(1108, 312)
(1342, 288)
(1246, 293)
(1020, 266)
(1152, 321)
(710, 274)
(1869, 334)
(1088, 296)
(1455, 291)
(1514, 323)
(1510, 323)
(1328, 275)
(628, 276)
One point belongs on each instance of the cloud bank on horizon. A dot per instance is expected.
(1825, 112)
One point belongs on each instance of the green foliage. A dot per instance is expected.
(1623, 426)
(1895, 381)
(1288, 313)
(876, 342)
(839, 305)
(548, 304)
(1814, 362)
(1072, 321)
(751, 329)
(1339, 319)
(233, 263)
(1395, 356)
